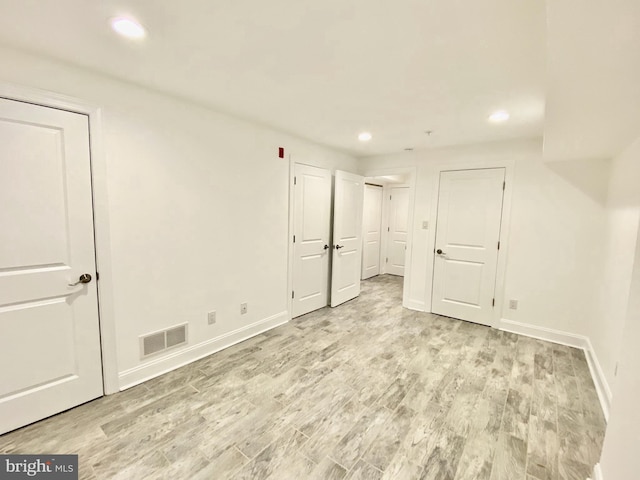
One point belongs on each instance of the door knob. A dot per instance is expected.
(326, 247)
(338, 247)
(440, 252)
(84, 278)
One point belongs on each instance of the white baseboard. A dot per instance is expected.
(415, 305)
(571, 340)
(178, 358)
(543, 333)
(600, 381)
(597, 472)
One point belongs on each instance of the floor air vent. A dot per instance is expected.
(160, 341)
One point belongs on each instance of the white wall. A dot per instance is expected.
(620, 459)
(621, 234)
(555, 233)
(197, 205)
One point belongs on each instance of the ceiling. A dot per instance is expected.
(566, 70)
(593, 78)
(324, 70)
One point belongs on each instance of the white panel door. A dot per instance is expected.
(468, 230)
(347, 237)
(371, 231)
(312, 222)
(49, 341)
(397, 230)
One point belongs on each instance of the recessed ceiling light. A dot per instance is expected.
(127, 27)
(364, 137)
(499, 116)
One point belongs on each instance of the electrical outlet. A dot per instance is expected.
(211, 317)
(243, 308)
(425, 225)
(513, 304)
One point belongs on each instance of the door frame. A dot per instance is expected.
(411, 173)
(505, 226)
(102, 239)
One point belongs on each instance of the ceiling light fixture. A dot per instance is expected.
(499, 116)
(364, 137)
(127, 27)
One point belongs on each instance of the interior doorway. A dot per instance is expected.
(386, 227)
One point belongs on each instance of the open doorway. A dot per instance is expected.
(386, 230)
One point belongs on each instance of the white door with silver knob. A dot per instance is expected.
(466, 250)
(49, 341)
(347, 237)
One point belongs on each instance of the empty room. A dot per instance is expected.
(319, 240)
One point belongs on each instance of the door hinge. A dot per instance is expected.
(504, 185)
(295, 180)
(389, 197)
(387, 260)
(493, 303)
(294, 239)
(388, 229)
(293, 294)
(97, 276)
(498, 245)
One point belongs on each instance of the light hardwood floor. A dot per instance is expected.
(367, 390)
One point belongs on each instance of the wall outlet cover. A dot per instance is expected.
(211, 317)
(243, 308)
(513, 304)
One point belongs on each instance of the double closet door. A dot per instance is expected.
(327, 243)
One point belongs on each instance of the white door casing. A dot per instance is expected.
(467, 235)
(347, 237)
(312, 222)
(371, 231)
(50, 342)
(397, 231)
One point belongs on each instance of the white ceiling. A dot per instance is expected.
(593, 78)
(323, 70)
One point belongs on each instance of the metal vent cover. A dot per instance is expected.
(156, 342)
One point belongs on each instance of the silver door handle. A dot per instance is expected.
(84, 278)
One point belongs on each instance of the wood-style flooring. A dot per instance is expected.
(367, 390)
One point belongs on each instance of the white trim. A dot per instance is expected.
(100, 211)
(597, 472)
(543, 333)
(599, 380)
(571, 340)
(184, 356)
(417, 305)
(292, 175)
